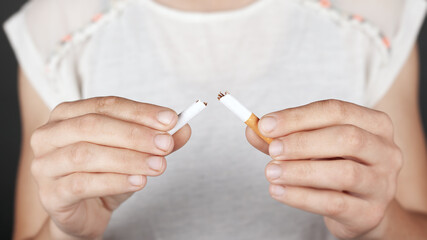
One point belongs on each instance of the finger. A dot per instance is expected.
(102, 130)
(343, 141)
(324, 114)
(336, 205)
(338, 175)
(181, 137)
(256, 141)
(89, 157)
(152, 116)
(79, 186)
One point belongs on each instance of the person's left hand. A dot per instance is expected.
(335, 159)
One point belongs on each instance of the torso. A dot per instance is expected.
(267, 55)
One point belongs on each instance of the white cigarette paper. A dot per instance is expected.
(243, 113)
(235, 106)
(188, 114)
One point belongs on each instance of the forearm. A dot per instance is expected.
(43, 233)
(400, 223)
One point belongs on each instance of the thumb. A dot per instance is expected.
(181, 137)
(256, 141)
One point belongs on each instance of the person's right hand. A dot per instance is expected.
(94, 154)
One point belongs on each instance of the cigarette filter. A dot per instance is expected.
(188, 114)
(243, 113)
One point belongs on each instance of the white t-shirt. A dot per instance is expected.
(271, 55)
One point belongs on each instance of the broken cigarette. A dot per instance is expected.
(243, 113)
(188, 114)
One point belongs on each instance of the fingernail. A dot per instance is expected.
(277, 190)
(166, 117)
(275, 148)
(274, 171)
(155, 163)
(267, 124)
(163, 141)
(135, 180)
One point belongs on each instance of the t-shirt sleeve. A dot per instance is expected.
(399, 23)
(34, 33)
(403, 36)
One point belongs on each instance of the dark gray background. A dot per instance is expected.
(10, 123)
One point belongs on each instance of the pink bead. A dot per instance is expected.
(325, 3)
(97, 17)
(386, 42)
(358, 18)
(67, 38)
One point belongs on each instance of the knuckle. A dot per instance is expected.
(79, 153)
(391, 191)
(59, 109)
(351, 176)
(36, 168)
(397, 158)
(352, 137)
(390, 182)
(102, 103)
(336, 107)
(88, 122)
(76, 185)
(384, 118)
(46, 198)
(386, 185)
(376, 214)
(336, 206)
(49, 197)
(62, 190)
(35, 139)
(386, 123)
